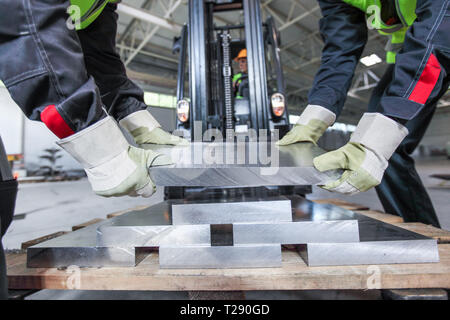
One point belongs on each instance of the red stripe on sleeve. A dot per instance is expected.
(53, 120)
(427, 81)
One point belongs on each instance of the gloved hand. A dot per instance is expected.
(365, 158)
(311, 125)
(114, 168)
(146, 130)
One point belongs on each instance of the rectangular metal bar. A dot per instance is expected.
(240, 165)
(242, 256)
(372, 252)
(153, 236)
(380, 243)
(79, 248)
(88, 256)
(232, 212)
(296, 232)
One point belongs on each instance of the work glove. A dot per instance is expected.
(114, 167)
(146, 130)
(311, 125)
(365, 158)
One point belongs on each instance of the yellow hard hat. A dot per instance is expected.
(242, 54)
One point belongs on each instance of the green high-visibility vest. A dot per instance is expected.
(237, 79)
(374, 9)
(84, 12)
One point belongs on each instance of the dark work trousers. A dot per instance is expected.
(42, 63)
(120, 95)
(8, 191)
(401, 191)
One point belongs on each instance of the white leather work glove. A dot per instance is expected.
(311, 125)
(114, 167)
(146, 130)
(365, 157)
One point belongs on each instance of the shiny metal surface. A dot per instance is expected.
(238, 256)
(79, 249)
(296, 232)
(372, 252)
(269, 210)
(240, 164)
(153, 236)
(153, 227)
(125, 240)
(380, 243)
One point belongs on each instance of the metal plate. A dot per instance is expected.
(269, 210)
(238, 256)
(79, 249)
(380, 243)
(372, 252)
(296, 232)
(152, 226)
(240, 165)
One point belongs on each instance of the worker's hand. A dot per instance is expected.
(114, 168)
(146, 130)
(133, 167)
(311, 125)
(365, 158)
(143, 135)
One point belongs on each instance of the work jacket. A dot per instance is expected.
(420, 74)
(391, 18)
(237, 80)
(84, 12)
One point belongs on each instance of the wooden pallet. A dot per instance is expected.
(293, 275)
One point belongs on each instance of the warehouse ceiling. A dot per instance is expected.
(147, 29)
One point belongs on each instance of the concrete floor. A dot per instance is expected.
(50, 207)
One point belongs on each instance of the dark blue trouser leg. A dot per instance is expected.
(42, 63)
(401, 191)
(119, 94)
(8, 192)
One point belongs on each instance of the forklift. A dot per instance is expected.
(206, 48)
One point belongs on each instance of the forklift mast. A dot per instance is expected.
(209, 48)
(206, 49)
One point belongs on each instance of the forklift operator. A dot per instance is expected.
(240, 79)
(401, 106)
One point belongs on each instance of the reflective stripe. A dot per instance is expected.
(53, 120)
(427, 81)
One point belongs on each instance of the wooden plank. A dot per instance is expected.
(87, 223)
(293, 275)
(119, 213)
(378, 215)
(342, 203)
(442, 236)
(27, 244)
